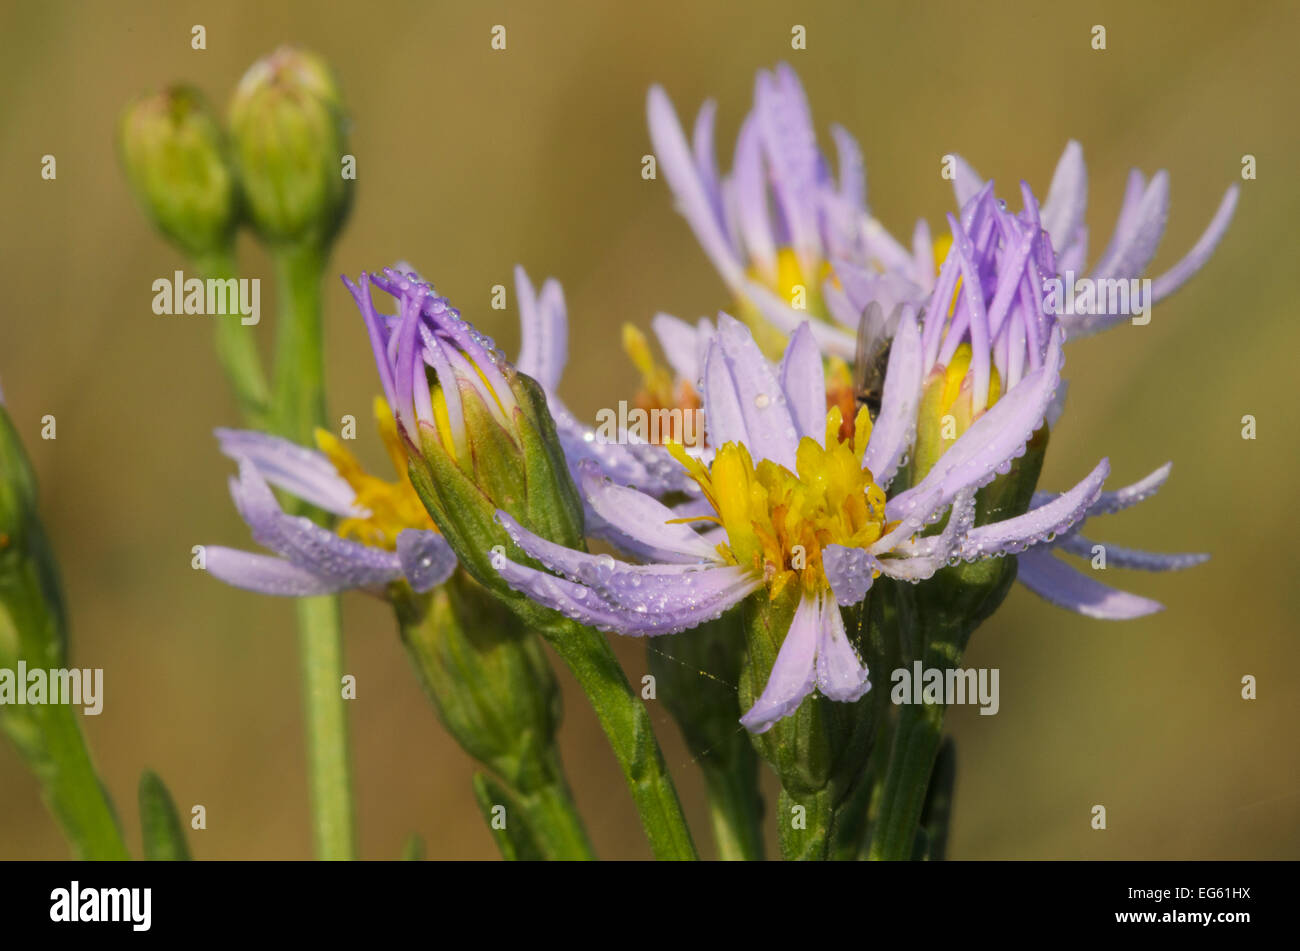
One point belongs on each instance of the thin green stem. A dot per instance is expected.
(735, 808)
(236, 346)
(627, 725)
(321, 655)
(298, 408)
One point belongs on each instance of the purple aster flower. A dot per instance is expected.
(1138, 232)
(795, 507)
(383, 536)
(977, 345)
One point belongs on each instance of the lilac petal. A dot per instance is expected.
(841, 675)
(646, 466)
(993, 440)
(693, 200)
(966, 182)
(1118, 556)
(1067, 197)
(794, 673)
(1138, 237)
(672, 612)
(803, 378)
(379, 336)
(645, 519)
(785, 318)
(426, 558)
(895, 426)
(790, 145)
(919, 558)
(853, 176)
(1194, 260)
(1110, 502)
(344, 563)
(680, 345)
(638, 588)
(264, 574)
(303, 472)
(849, 572)
(753, 218)
(1057, 406)
(743, 400)
(1040, 524)
(544, 329)
(1055, 581)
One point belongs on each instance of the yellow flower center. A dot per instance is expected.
(393, 506)
(778, 522)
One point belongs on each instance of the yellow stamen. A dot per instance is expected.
(778, 522)
(393, 506)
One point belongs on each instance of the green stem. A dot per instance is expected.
(48, 735)
(553, 818)
(916, 743)
(321, 648)
(236, 346)
(735, 808)
(627, 725)
(298, 408)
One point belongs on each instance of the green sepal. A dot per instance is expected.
(161, 830)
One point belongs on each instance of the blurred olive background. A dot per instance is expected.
(470, 160)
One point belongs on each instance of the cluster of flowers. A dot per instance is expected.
(802, 485)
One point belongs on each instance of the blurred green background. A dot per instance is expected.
(471, 160)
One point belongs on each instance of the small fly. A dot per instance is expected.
(875, 334)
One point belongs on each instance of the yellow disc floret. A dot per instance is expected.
(392, 506)
(778, 522)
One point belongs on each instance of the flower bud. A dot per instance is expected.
(479, 433)
(288, 130)
(177, 160)
(32, 618)
(488, 678)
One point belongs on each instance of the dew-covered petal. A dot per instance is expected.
(1053, 580)
(544, 331)
(743, 399)
(849, 571)
(646, 466)
(693, 200)
(1138, 234)
(1040, 524)
(803, 378)
(426, 558)
(1194, 260)
(680, 344)
(841, 675)
(785, 318)
(344, 563)
(993, 440)
(584, 604)
(264, 574)
(1067, 197)
(795, 672)
(966, 182)
(895, 426)
(1118, 556)
(643, 518)
(790, 145)
(302, 472)
(1120, 499)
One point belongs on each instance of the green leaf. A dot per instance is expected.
(160, 825)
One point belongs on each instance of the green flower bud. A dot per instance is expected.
(288, 128)
(177, 161)
(488, 678)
